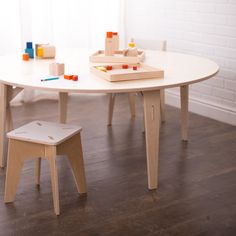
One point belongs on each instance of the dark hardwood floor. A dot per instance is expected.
(197, 180)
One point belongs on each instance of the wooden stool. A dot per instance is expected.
(41, 139)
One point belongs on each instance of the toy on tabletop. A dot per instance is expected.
(75, 78)
(57, 68)
(29, 49)
(116, 42)
(108, 67)
(71, 77)
(25, 56)
(125, 66)
(125, 72)
(49, 79)
(109, 45)
(45, 51)
(39, 53)
(131, 51)
(101, 68)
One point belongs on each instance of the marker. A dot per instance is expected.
(48, 79)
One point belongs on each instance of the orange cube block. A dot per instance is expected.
(25, 56)
(69, 77)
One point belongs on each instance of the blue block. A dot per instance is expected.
(29, 45)
(30, 51)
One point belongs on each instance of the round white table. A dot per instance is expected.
(180, 70)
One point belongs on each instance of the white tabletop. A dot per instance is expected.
(179, 69)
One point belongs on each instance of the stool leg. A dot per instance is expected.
(75, 156)
(14, 166)
(37, 171)
(72, 148)
(50, 153)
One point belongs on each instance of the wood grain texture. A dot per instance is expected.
(184, 111)
(3, 102)
(197, 188)
(62, 107)
(151, 102)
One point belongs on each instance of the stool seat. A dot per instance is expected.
(44, 132)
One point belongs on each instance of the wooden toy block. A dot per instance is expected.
(118, 57)
(25, 56)
(56, 69)
(75, 78)
(41, 50)
(49, 51)
(109, 51)
(69, 77)
(124, 66)
(109, 34)
(130, 52)
(119, 74)
(45, 51)
(109, 67)
(135, 67)
(115, 41)
(101, 68)
(109, 44)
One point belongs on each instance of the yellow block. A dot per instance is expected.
(101, 68)
(40, 52)
(131, 45)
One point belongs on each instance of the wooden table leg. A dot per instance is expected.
(132, 104)
(62, 107)
(3, 116)
(112, 97)
(152, 128)
(184, 112)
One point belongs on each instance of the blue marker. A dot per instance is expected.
(48, 79)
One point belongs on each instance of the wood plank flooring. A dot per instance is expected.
(197, 180)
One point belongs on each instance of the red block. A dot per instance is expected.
(125, 66)
(135, 67)
(75, 78)
(109, 67)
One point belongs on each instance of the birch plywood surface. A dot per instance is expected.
(44, 132)
(117, 73)
(180, 69)
(118, 57)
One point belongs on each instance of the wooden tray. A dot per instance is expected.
(118, 74)
(117, 58)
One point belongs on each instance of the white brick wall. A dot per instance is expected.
(200, 27)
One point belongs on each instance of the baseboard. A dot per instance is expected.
(204, 108)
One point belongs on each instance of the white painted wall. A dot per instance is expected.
(199, 27)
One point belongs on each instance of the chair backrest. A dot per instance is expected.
(151, 44)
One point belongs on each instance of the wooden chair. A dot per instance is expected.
(144, 44)
(44, 140)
